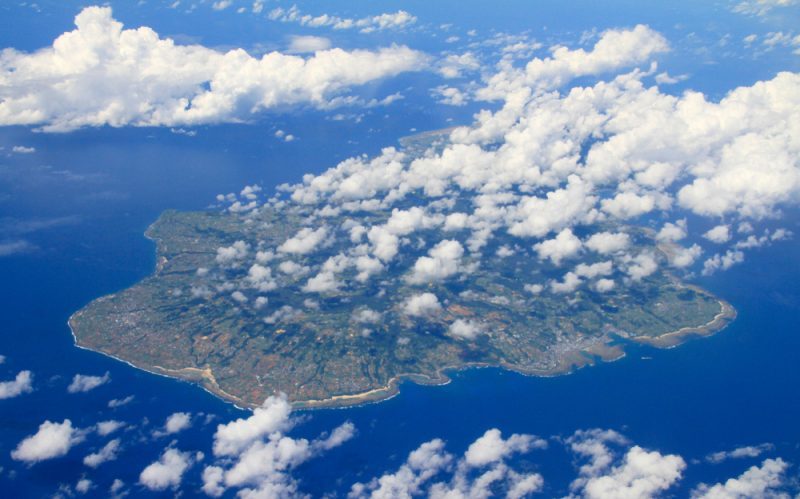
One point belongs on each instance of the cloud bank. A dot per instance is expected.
(102, 74)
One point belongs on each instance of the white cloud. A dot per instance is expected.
(719, 234)
(83, 382)
(23, 383)
(606, 243)
(292, 268)
(51, 441)
(475, 475)
(167, 472)
(257, 457)
(236, 251)
(305, 241)
(739, 452)
(568, 284)
(115, 403)
(666, 79)
(101, 74)
(761, 7)
(453, 65)
(233, 437)
(491, 447)
(681, 257)
(306, 44)
(564, 245)
(221, 4)
(397, 20)
(758, 481)
(107, 453)
(641, 265)
(177, 422)
(450, 96)
(642, 474)
(337, 437)
(83, 486)
(261, 278)
(23, 150)
(422, 304)
(422, 464)
(614, 50)
(324, 282)
(629, 205)
(367, 316)
(672, 232)
(442, 262)
(590, 271)
(604, 285)
(105, 428)
(468, 330)
(639, 474)
(722, 261)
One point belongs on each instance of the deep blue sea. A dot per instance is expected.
(84, 199)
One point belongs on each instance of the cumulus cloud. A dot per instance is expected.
(442, 262)
(492, 448)
(568, 284)
(82, 383)
(641, 265)
(304, 241)
(614, 50)
(107, 453)
(324, 282)
(590, 271)
(232, 253)
(564, 245)
(177, 422)
(673, 232)
(256, 456)
(167, 472)
(272, 416)
(604, 285)
(639, 474)
(22, 383)
(477, 474)
(468, 330)
(260, 277)
(606, 243)
(422, 464)
(642, 474)
(101, 74)
(722, 261)
(422, 304)
(758, 481)
(719, 234)
(681, 257)
(628, 205)
(453, 65)
(51, 441)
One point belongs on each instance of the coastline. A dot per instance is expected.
(568, 363)
(565, 362)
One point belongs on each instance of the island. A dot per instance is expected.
(238, 303)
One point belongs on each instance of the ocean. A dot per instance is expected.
(80, 204)
(83, 203)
